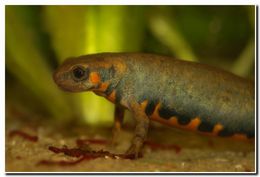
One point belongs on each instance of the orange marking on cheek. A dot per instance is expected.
(103, 87)
(112, 96)
(94, 77)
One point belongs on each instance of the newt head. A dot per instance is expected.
(74, 76)
(88, 73)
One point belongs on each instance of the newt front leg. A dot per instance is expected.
(118, 121)
(141, 130)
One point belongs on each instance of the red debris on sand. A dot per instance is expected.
(86, 154)
(74, 152)
(157, 146)
(82, 155)
(24, 135)
(77, 152)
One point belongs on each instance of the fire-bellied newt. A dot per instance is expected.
(178, 93)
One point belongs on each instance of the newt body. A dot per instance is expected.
(178, 93)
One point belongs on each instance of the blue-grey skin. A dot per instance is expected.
(184, 89)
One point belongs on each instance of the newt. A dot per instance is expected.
(181, 94)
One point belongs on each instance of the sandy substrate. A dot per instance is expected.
(196, 153)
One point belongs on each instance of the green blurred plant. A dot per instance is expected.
(166, 30)
(27, 63)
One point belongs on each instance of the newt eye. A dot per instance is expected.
(79, 73)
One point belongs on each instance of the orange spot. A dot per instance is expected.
(217, 128)
(103, 87)
(112, 96)
(173, 121)
(194, 123)
(155, 114)
(94, 77)
(156, 117)
(144, 104)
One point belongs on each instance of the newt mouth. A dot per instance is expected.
(60, 80)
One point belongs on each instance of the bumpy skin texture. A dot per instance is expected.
(178, 93)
